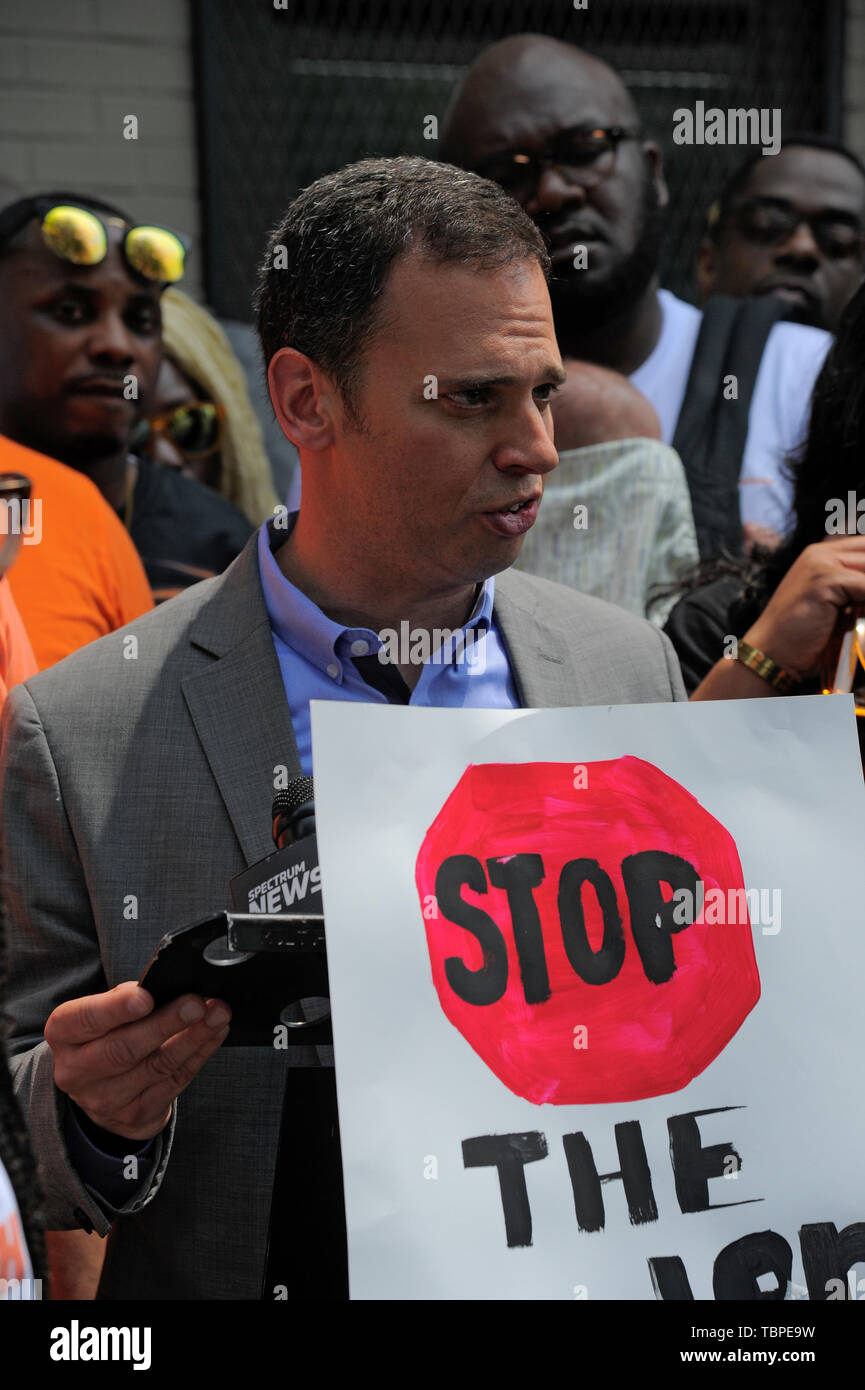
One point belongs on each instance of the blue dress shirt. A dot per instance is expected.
(315, 654)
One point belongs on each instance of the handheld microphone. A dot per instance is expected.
(293, 812)
(288, 881)
(266, 962)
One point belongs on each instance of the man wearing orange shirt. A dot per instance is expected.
(80, 350)
(77, 573)
(77, 576)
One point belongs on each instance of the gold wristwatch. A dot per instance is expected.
(767, 669)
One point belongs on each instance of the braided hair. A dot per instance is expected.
(829, 464)
(195, 343)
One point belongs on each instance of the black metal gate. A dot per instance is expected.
(287, 94)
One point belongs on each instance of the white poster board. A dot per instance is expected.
(735, 1109)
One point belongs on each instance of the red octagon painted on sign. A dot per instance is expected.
(562, 911)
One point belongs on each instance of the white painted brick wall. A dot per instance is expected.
(70, 70)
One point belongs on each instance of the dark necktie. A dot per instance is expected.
(383, 676)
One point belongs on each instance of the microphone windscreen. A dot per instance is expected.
(298, 791)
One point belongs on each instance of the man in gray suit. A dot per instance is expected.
(404, 314)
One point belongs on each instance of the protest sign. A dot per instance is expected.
(596, 978)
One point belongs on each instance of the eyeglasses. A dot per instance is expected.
(769, 223)
(195, 429)
(581, 155)
(80, 236)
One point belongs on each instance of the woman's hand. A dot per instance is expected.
(800, 617)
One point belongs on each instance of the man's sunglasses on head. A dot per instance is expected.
(80, 236)
(582, 155)
(195, 429)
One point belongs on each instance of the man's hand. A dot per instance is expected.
(122, 1063)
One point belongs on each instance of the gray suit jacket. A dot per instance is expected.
(136, 779)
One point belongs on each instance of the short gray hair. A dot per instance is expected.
(327, 260)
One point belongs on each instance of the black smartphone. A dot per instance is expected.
(282, 984)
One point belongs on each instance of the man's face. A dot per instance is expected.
(614, 217)
(428, 478)
(71, 335)
(815, 267)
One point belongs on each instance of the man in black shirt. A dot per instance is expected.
(182, 530)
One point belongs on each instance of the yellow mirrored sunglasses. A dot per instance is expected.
(80, 236)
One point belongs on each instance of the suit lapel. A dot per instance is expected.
(238, 704)
(239, 709)
(544, 666)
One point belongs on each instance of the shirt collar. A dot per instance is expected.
(300, 623)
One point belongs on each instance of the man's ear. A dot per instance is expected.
(652, 153)
(707, 267)
(303, 398)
